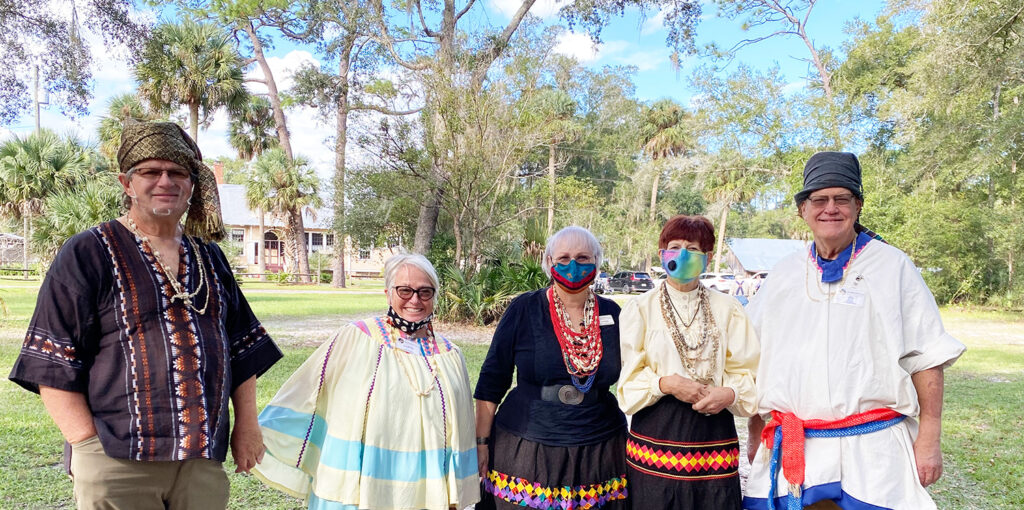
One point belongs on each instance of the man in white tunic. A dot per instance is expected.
(852, 359)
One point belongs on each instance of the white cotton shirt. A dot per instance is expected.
(829, 351)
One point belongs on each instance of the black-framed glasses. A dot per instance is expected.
(425, 293)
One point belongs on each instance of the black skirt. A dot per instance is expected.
(680, 459)
(532, 475)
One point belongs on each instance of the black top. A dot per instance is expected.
(158, 376)
(525, 341)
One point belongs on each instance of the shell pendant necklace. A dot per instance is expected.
(180, 292)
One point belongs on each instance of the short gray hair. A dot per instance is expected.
(576, 236)
(396, 262)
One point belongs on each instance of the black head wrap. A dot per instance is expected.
(831, 170)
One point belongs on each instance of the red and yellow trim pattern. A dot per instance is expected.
(683, 461)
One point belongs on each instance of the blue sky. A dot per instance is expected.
(628, 40)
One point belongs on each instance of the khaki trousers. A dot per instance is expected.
(104, 483)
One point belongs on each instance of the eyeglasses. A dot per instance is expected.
(153, 174)
(425, 293)
(674, 252)
(820, 202)
(580, 259)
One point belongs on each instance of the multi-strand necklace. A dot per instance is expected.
(811, 260)
(693, 351)
(172, 276)
(581, 351)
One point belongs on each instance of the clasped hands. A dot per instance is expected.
(705, 399)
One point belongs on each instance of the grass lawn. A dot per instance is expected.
(984, 466)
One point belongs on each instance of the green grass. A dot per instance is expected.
(271, 306)
(984, 466)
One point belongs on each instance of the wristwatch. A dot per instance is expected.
(483, 440)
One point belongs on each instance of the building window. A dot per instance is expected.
(237, 235)
(316, 239)
(364, 254)
(329, 240)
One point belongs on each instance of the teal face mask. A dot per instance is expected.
(683, 266)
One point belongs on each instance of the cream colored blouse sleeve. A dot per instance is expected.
(638, 385)
(742, 353)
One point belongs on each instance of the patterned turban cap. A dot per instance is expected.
(168, 141)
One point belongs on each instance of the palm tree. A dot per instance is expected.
(190, 64)
(251, 129)
(120, 109)
(70, 211)
(556, 109)
(664, 134)
(34, 167)
(284, 188)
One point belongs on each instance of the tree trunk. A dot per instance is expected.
(193, 119)
(301, 249)
(24, 240)
(721, 236)
(551, 194)
(654, 191)
(275, 100)
(261, 250)
(340, 146)
(426, 224)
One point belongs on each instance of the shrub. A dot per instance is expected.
(481, 297)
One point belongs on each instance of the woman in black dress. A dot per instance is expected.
(558, 438)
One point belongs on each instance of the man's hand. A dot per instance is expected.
(246, 445)
(928, 455)
(246, 439)
(716, 399)
(685, 390)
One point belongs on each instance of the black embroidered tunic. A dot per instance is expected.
(158, 376)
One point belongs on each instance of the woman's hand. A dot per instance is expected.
(482, 457)
(715, 399)
(683, 389)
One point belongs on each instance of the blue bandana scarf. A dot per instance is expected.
(832, 270)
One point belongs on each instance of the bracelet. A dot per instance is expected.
(483, 440)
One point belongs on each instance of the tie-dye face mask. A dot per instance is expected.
(684, 266)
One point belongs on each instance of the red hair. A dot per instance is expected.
(689, 228)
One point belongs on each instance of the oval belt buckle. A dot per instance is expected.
(570, 394)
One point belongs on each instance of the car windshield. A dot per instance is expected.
(729, 276)
(641, 276)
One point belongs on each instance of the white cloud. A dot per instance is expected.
(544, 9)
(655, 23)
(283, 68)
(583, 49)
(644, 60)
(793, 87)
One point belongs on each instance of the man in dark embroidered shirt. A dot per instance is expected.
(141, 337)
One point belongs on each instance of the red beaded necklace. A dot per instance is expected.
(581, 351)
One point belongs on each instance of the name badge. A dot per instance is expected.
(408, 345)
(606, 320)
(849, 297)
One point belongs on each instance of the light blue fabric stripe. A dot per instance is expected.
(371, 461)
(316, 503)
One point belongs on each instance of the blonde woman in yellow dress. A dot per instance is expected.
(689, 356)
(381, 416)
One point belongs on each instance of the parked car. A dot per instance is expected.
(601, 283)
(722, 282)
(630, 281)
